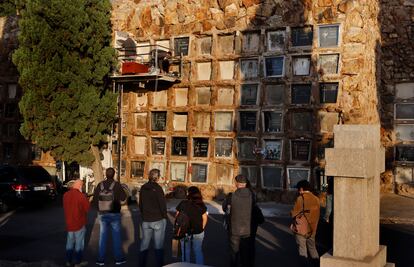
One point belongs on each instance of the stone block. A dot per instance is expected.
(202, 121)
(139, 145)
(180, 121)
(203, 71)
(204, 45)
(378, 260)
(225, 96)
(181, 97)
(357, 136)
(203, 96)
(141, 100)
(226, 70)
(350, 162)
(248, 3)
(251, 42)
(354, 19)
(352, 66)
(356, 217)
(140, 121)
(325, 3)
(160, 98)
(224, 174)
(355, 34)
(226, 44)
(223, 121)
(231, 10)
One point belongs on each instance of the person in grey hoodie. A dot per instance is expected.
(153, 208)
(238, 205)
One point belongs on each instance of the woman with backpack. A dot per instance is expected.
(196, 211)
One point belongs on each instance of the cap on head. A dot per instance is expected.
(153, 175)
(241, 179)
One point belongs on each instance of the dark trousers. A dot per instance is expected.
(242, 250)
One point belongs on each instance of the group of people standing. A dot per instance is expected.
(107, 199)
(242, 218)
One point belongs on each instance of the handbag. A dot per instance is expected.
(300, 224)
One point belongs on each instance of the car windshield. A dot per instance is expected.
(35, 174)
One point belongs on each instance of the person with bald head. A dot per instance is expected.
(76, 207)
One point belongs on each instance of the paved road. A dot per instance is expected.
(38, 234)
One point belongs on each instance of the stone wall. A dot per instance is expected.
(375, 77)
(238, 30)
(397, 81)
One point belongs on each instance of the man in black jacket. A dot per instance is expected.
(107, 199)
(240, 205)
(153, 208)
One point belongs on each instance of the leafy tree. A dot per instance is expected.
(64, 59)
(7, 7)
(10, 7)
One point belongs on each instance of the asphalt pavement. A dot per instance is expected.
(35, 236)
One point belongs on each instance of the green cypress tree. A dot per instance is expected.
(64, 60)
(7, 7)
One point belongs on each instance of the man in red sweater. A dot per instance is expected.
(76, 207)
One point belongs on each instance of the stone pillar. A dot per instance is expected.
(356, 162)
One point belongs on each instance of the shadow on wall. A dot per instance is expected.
(396, 90)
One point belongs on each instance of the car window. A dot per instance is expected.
(35, 174)
(7, 175)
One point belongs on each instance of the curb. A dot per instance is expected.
(396, 220)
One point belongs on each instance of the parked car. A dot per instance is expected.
(25, 184)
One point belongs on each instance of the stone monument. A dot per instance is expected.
(356, 162)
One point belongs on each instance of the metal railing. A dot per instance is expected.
(157, 58)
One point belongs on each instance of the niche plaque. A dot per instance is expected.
(301, 93)
(200, 147)
(274, 66)
(328, 64)
(179, 146)
(248, 121)
(224, 147)
(198, 173)
(159, 120)
(276, 40)
(302, 36)
(249, 94)
(272, 177)
(272, 121)
(178, 171)
(158, 145)
(300, 150)
(328, 35)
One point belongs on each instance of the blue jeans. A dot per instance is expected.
(110, 221)
(196, 243)
(154, 230)
(74, 246)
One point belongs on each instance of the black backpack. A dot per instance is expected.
(182, 226)
(106, 198)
